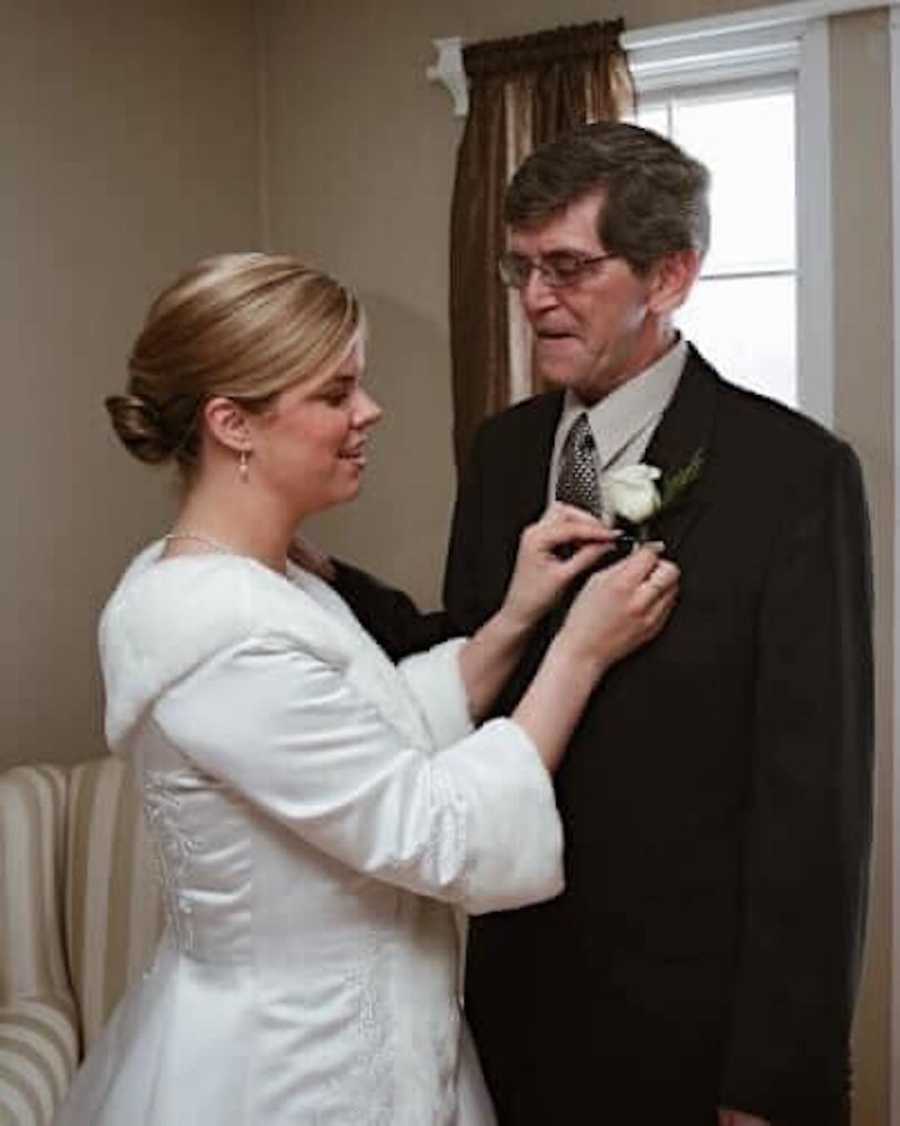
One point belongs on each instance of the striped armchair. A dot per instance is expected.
(79, 917)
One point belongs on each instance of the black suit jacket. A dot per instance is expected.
(715, 797)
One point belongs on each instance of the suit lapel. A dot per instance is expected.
(527, 496)
(686, 428)
(523, 503)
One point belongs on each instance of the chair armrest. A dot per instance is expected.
(38, 1057)
(113, 904)
(33, 960)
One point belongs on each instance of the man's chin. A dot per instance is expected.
(590, 387)
(555, 375)
(562, 379)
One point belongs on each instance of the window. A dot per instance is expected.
(743, 311)
(749, 94)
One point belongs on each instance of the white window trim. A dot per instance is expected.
(719, 52)
(894, 1038)
(796, 12)
(815, 231)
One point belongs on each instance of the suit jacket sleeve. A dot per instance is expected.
(806, 844)
(465, 597)
(390, 615)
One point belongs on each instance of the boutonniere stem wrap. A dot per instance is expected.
(632, 496)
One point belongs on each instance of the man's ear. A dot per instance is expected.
(226, 422)
(671, 280)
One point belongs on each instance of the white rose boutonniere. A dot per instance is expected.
(632, 495)
(631, 492)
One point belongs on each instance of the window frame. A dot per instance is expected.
(894, 1030)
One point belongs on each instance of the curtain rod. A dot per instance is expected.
(450, 72)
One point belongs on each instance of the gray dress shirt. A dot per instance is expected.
(623, 422)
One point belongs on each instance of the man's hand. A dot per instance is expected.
(739, 1118)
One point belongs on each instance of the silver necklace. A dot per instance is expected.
(217, 545)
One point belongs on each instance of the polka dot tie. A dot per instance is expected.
(577, 482)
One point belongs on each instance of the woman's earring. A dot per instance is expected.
(243, 468)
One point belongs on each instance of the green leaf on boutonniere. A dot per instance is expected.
(633, 488)
(675, 485)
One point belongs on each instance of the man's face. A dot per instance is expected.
(597, 333)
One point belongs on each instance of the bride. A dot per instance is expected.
(324, 819)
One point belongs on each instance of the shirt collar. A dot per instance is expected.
(623, 414)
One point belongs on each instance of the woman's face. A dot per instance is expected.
(309, 446)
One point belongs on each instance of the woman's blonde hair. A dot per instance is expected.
(240, 325)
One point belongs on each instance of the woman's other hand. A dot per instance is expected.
(616, 610)
(621, 608)
(541, 572)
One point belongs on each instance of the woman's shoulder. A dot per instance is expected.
(166, 599)
(168, 616)
(208, 601)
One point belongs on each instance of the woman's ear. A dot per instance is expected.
(226, 421)
(672, 279)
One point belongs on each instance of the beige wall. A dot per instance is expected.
(131, 145)
(360, 167)
(128, 133)
(864, 413)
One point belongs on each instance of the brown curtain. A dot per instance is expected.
(522, 92)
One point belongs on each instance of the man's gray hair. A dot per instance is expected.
(655, 195)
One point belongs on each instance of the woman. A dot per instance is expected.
(323, 817)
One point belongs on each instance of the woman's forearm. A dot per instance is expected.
(489, 657)
(617, 610)
(556, 697)
(550, 709)
(541, 574)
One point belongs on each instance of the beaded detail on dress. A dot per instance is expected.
(173, 852)
(373, 1061)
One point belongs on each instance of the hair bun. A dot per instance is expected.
(140, 426)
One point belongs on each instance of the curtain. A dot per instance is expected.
(523, 92)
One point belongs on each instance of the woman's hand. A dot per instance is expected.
(740, 1118)
(539, 578)
(616, 611)
(540, 574)
(621, 608)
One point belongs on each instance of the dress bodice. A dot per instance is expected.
(322, 820)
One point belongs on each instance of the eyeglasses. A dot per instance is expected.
(557, 270)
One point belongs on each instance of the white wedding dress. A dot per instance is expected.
(324, 819)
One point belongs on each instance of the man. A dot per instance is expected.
(701, 965)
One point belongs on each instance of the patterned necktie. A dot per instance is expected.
(578, 483)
